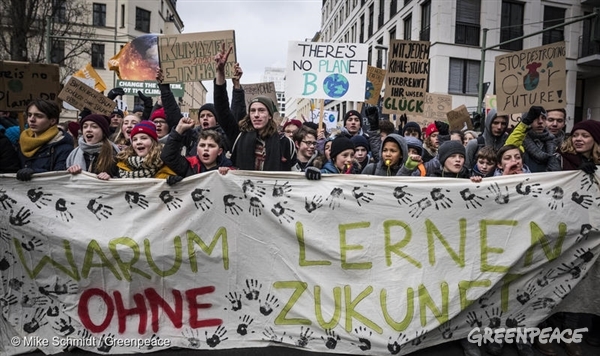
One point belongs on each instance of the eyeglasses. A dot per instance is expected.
(289, 131)
(310, 143)
(159, 122)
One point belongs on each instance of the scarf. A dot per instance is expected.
(77, 156)
(30, 145)
(540, 146)
(135, 167)
(244, 152)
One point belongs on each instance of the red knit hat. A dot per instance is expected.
(591, 126)
(431, 128)
(146, 127)
(158, 113)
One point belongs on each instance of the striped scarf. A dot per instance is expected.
(135, 167)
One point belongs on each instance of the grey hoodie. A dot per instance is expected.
(379, 168)
(490, 140)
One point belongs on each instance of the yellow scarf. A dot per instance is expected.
(30, 144)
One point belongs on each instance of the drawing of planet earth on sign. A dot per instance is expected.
(336, 85)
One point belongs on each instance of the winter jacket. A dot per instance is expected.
(379, 168)
(485, 139)
(50, 157)
(9, 159)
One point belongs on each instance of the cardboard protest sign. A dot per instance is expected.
(375, 77)
(459, 118)
(21, 82)
(149, 88)
(407, 74)
(193, 114)
(434, 108)
(535, 76)
(190, 57)
(137, 60)
(87, 81)
(288, 262)
(81, 96)
(266, 89)
(326, 70)
(491, 102)
(88, 72)
(330, 118)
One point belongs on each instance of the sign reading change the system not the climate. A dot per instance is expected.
(326, 71)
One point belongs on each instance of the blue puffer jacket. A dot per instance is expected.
(50, 157)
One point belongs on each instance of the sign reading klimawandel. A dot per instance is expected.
(326, 71)
(259, 259)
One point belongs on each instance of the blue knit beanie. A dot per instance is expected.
(13, 133)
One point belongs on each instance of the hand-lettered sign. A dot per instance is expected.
(459, 118)
(21, 82)
(330, 118)
(266, 89)
(375, 77)
(82, 96)
(407, 74)
(326, 71)
(491, 102)
(433, 108)
(149, 88)
(190, 57)
(535, 76)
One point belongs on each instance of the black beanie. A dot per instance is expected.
(210, 107)
(591, 126)
(412, 125)
(266, 102)
(449, 148)
(339, 145)
(352, 113)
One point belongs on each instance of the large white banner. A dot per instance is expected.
(326, 71)
(346, 264)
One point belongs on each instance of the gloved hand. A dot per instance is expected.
(443, 128)
(373, 116)
(587, 167)
(312, 173)
(114, 92)
(533, 113)
(24, 174)
(147, 100)
(172, 180)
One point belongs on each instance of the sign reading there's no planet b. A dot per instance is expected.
(326, 71)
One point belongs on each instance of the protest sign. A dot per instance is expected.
(434, 108)
(87, 81)
(190, 57)
(88, 72)
(407, 74)
(288, 259)
(266, 89)
(137, 60)
(491, 103)
(535, 76)
(193, 114)
(149, 88)
(459, 119)
(375, 77)
(82, 96)
(21, 82)
(326, 71)
(330, 118)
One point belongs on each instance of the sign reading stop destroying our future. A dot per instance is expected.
(326, 71)
(21, 82)
(149, 88)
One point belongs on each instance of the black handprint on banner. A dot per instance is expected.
(98, 209)
(314, 204)
(106, 342)
(486, 299)
(153, 341)
(6, 301)
(266, 307)
(16, 283)
(250, 189)
(494, 318)
(62, 210)
(447, 330)
(472, 200)
(583, 200)
(395, 346)
(584, 232)
(53, 311)
(588, 181)
(245, 322)
(7, 261)
(572, 269)
(363, 334)
(334, 198)
(201, 201)
(5, 235)
(585, 255)
(557, 198)
(561, 291)
(280, 190)
(530, 291)
(256, 206)
(6, 201)
(217, 337)
(402, 196)
(419, 207)
(59, 288)
(515, 321)
(235, 299)
(192, 337)
(544, 303)
(524, 188)
(253, 290)
(546, 278)
(474, 320)
(135, 198)
(499, 198)
(305, 337)
(281, 212)
(64, 326)
(38, 197)
(231, 206)
(170, 200)
(271, 335)
(31, 244)
(331, 339)
(365, 197)
(35, 322)
(30, 302)
(440, 199)
(22, 217)
(420, 336)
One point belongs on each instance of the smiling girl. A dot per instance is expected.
(95, 153)
(582, 149)
(123, 135)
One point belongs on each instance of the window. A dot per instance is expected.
(406, 2)
(99, 15)
(370, 55)
(142, 20)
(379, 57)
(425, 21)
(511, 24)
(361, 37)
(467, 22)
(407, 27)
(380, 18)
(57, 54)
(393, 8)
(97, 55)
(464, 76)
(393, 33)
(552, 17)
(371, 12)
(60, 11)
(122, 16)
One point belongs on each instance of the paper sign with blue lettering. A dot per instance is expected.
(330, 118)
(326, 71)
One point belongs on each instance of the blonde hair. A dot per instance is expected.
(151, 160)
(567, 147)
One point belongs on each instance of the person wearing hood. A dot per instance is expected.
(449, 163)
(494, 135)
(509, 161)
(394, 153)
(353, 126)
(43, 147)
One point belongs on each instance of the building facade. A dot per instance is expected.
(277, 76)
(454, 28)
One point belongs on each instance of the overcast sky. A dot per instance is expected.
(262, 28)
